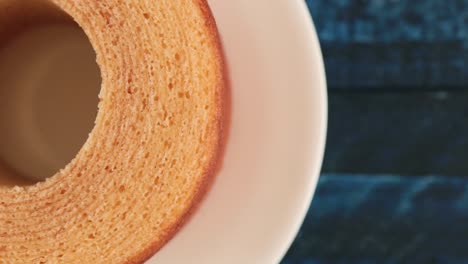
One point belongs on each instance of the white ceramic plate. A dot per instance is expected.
(277, 138)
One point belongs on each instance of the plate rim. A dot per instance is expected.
(314, 174)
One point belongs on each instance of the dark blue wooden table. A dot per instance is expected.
(394, 187)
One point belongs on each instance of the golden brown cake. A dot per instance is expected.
(156, 144)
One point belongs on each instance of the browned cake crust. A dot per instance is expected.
(158, 140)
(223, 125)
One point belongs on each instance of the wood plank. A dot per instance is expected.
(387, 219)
(399, 133)
(404, 44)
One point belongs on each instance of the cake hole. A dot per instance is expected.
(49, 86)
